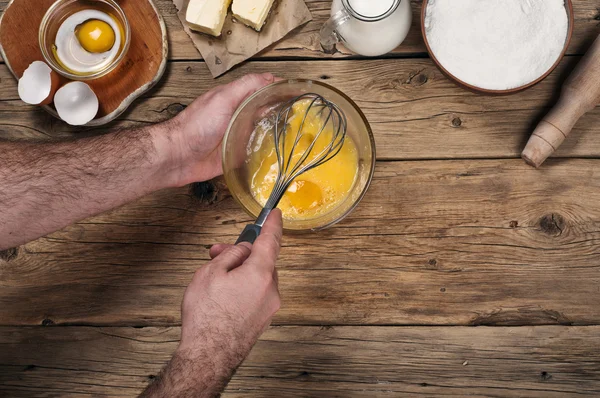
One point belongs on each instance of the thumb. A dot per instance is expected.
(266, 247)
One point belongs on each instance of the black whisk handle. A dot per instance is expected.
(249, 234)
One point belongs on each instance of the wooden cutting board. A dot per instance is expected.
(142, 67)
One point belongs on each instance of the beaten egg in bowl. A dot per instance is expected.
(318, 190)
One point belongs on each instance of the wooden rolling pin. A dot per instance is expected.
(579, 94)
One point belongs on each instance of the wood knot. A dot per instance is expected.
(514, 224)
(432, 262)
(47, 322)
(303, 375)
(206, 192)
(443, 290)
(456, 122)
(421, 79)
(188, 69)
(545, 376)
(9, 254)
(552, 224)
(175, 109)
(324, 77)
(417, 78)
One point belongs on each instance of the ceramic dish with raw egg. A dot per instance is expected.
(84, 39)
(322, 196)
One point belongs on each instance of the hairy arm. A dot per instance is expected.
(201, 373)
(46, 186)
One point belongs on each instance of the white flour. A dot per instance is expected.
(496, 44)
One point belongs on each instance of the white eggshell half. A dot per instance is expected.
(76, 103)
(35, 86)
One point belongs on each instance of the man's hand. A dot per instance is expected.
(198, 130)
(227, 306)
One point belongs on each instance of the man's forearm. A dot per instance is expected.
(47, 186)
(190, 376)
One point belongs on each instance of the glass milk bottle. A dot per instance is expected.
(367, 27)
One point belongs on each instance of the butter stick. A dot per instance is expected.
(207, 16)
(252, 12)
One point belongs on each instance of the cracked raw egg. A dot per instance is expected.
(95, 36)
(87, 41)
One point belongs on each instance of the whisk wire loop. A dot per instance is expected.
(288, 170)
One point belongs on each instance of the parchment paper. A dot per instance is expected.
(239, 42)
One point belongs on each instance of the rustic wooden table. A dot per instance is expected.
(463, 272)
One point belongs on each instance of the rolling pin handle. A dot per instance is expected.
(580, 94)
(536, 151)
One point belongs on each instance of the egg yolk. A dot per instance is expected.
(319, 190)
(304, 195)
(95, 36)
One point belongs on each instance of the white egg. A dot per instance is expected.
(76, 103)
(70, 52)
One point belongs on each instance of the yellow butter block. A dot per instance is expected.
(252, 12)
(207, 16)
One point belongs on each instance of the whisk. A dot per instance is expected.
(290, 169)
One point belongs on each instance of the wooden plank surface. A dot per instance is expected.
(454, 242)
(312, 361)
(305, 43)
(415, 112)
(490, 242)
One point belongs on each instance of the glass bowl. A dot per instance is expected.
(59, 12)
(265, 103)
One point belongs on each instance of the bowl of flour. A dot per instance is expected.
(497, 46)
